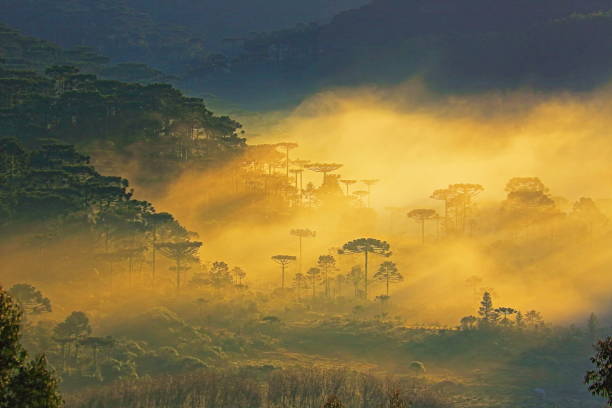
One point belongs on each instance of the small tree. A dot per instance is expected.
(283, 261)
(366, 246)
(299, 282)
(487, 313)
(180, 253)
(388, 273)
(599, 380)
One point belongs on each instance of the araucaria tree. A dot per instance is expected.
(326, 263)
(599, 379)
(388, 273)
(302, 233)
(313, 274)
(23, 382)
(283, 261)
(422, 215)
(366, 246)
(181, 253)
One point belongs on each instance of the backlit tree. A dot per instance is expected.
(388, 273)
(421, 216)
(283, 261)
(366, 246)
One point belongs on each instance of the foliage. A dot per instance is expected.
(599, 380)
(23, 382)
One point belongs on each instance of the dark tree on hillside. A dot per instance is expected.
(180, 253)
(388, 273)
(366, 246)
(23, 382)
(505, 312)
(599, 379)
(283, 261)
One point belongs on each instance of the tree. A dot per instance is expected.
(326, 263)
(220, 275)
(323, 168)
(465, 194)
(355, 276)
(239, 274)
(468, 322)
(420, 216)
(299, 280)
(505, 312)
(73, 330)
(302, 233)
(164, 226)
(283, 261)
(388, 273)
(599, 380)
(448, 196)
(534, 319)
(287, 146)
(369, 184)
(366, 246)
(180, 252)
(487, 313)
(313, 274)
(23, 383)
(30, 299)
(593, 325)
(347, 184)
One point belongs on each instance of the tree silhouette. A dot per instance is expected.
(323, 168)
(388, 273)
(469, 322)
(283, 261)
(488, 315)
(347, 184)
(313, 274)
(356, 277)
(298, 281)
(287, 146)
(599, 380)
(239, 274)
(448, 196)
(420, 216)
(220, 275)
(326, 263)
(180, 253)
(465, 194)
(366, 246)
(505, 312)
(360, 194)
(369, 184)
(302, 233)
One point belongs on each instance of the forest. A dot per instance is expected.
(410, 208)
